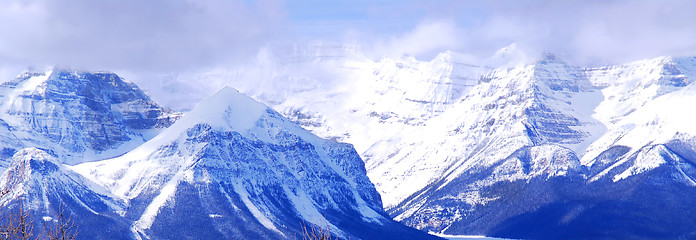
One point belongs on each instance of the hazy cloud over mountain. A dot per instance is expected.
(176, 34)
(189, 36)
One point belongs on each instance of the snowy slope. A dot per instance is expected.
(76, 116)
(643, 103)
(337, 92)
(233, 167)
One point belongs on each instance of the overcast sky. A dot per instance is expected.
(186, 35)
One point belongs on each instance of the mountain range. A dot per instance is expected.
(528, 148)
(533, 149)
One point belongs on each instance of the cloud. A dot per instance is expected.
(423, 42)
(584, 32)
(161, 35)
(622, 31)
(157, 43)
(273, 75)
(132, 34)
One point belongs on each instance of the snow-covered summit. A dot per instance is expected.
(573, 113)
(503, 147)
(226, 109)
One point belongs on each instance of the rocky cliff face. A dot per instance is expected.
(77, 116)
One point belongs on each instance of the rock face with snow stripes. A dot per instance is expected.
(77, 116)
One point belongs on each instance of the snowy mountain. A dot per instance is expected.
(512, 146)
(233, 168)
(76, 116)
(515, 148)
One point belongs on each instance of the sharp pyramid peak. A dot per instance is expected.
(228, 107)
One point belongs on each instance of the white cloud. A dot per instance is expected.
(424, 41)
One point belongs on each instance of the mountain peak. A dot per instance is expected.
(226, 108)
(508, 50)
(28, 73)
(28, 165)
(33, 160)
